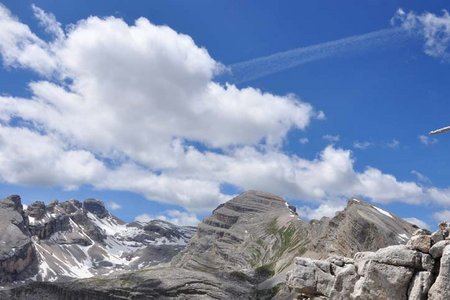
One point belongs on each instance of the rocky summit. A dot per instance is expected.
(73, 239)
(254, 246)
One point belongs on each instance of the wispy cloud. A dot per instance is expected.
(426, 140)
(421, 177)
(173, 216)
(331, 138)
(435, 30)
(418, 222)
(115, 206)
(394, 144)
(303, 140)
(263, 66)
(361, 145)
(48, 22)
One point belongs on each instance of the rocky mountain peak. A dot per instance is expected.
(13, 201)
(249, 231)
(74, 239)
(361, 226)
(97, 207)
(256, 201)
(36, 209)
(253, 246)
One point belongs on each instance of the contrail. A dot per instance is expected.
(263, 66)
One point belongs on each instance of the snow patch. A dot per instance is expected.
(383, 212)
(403, 237)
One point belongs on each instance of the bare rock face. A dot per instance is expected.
(311, 277)
(437, 249)
(359, 227)
(420, 285)
(383, 281)
(96, 207)
(253, 230)
(441, 288)
(385, 274)
(414, 271)
(16, 251)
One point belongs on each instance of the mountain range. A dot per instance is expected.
(250, 247)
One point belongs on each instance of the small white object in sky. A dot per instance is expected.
(440, 130)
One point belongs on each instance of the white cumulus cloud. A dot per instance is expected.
(417, 222)
(135, 107)
(173, 216)
(328, 209)
(435, 30)
(442, 216)
(115, 206)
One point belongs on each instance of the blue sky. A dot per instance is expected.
(380, 99)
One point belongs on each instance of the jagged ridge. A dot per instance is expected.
(244, 250)
(74, 239)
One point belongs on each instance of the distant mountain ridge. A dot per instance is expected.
(73, 239)
(244, 250)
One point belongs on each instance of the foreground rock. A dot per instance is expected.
(17, 257)
(417, 271)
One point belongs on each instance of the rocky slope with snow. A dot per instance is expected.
(359, 227)
(246, 249)
(74, 239)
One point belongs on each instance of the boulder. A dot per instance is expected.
(309, 278)
(441, 287)
(437, 236)
(420, 285)
(382, 281)
(399, 255)
(437, 249)
(344, 283)
(420, 242)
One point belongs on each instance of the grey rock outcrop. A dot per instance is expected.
(441, 288)
(96, 207)
(385, 274)
(414, 271)
(16, 251)
(420, 242)
(420, 285)
(437, 249)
